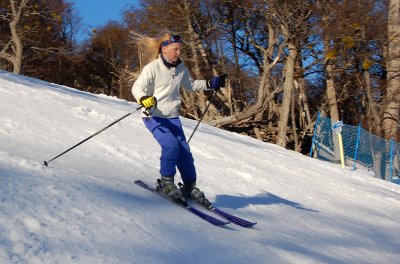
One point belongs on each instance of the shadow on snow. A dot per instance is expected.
(236, 202)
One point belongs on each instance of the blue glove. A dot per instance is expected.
(216, 82)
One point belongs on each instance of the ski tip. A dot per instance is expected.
(250, 225)
(222, 224)
(245, 224)
(218, 222)
(45, 164)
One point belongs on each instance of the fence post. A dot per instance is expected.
(337, 128)
(391, 159)
(314, 135)
(341, 149)
(357, 144)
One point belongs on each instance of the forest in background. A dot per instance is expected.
(286, 60)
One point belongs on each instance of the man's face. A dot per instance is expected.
(172, 51)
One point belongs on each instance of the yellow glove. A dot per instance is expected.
(148, 101)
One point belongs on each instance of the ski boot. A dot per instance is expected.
(190, 191)
(167, 187)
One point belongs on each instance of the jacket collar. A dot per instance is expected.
(170, 64)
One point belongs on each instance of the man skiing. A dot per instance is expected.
(157, 89)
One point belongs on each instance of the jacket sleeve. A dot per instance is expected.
(192, 85)
(144, 85)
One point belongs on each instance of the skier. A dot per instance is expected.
(157, 89)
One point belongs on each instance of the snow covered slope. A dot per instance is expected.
(85, 208)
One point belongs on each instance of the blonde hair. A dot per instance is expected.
(148, 48)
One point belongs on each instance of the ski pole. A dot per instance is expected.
(201, 118)
(45, 163)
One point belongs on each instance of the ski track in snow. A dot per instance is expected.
(85, 208)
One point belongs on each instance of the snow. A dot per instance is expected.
(85, 208)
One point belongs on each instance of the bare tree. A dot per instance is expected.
(293, 16)
(12, 51)
(272, 56)
(37, 38)
(193, 43)
(328, 19)
(391, 114)
(109, 58)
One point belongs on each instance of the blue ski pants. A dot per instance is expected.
(175, 151)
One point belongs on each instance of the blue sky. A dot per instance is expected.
(98, 12)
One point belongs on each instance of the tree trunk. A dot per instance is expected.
(247, 113)
(376, 121)
(196, 57)
(287, 94)
(237, 105)
(331, 96)
(299, 82)
(331, 92)
(17, 47)
(391, 113)
(294, 127)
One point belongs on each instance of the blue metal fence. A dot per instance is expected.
(361, 149)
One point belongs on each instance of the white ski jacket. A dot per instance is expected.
(157, 80)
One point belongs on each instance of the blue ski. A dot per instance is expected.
(234, 219)
(202, 215)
